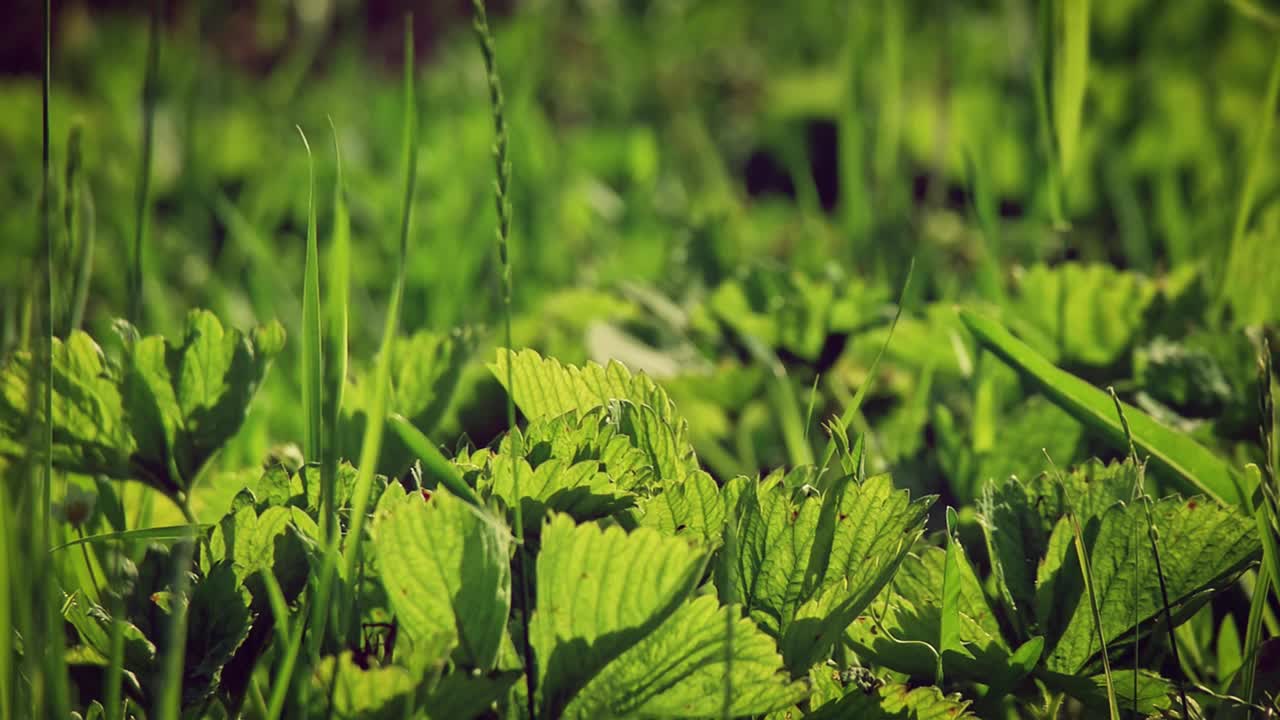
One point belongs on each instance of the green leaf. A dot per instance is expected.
(90, 433)
(894, 702)
(376, 693)
(547, 389)
(170, 533)
(445, 566)
(159, 418)
(217, 622)
(804, 569)
(461, 694)
(693, 506)
(599, 593)
(903, 628)
(581, 489)
(1202, 545)
(679, 670)
(1156, 695)
(1170, 450)
(424, 370)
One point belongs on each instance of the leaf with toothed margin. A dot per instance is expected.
(445, 566)
(545, 389)
(805, 566)
(679, 670)
(600, 592)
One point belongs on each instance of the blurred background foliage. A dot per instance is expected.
(723, 193)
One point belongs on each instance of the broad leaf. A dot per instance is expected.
(894, 702)
(693, 506)
(599, 592)
(909, 616)
(217, 622)
(680, 671)
(805, 568)
(158, 418)
(445, 566)
(546, 389)
(1202, 545)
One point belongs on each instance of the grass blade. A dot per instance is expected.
(79, 220)
(372, 443)
(1240, 257)
(502, 203)
(949, 623)
(851, 410)
(168, 532)
(1171, 450)
(311, 359)
(142, 207)
(434, 464)
(1070, 74)
(335, 347)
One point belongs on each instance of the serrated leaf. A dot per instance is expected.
(895, 702)
(445, 566)
(546, 389)
(461, 694)
(693, 506)
(158, 418)
(680, 669)
(581, 489)
(599, 593)
(907, 621)
(1202, 544)
(805, 568)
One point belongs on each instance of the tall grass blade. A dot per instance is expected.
(1153, 536)
(10, 557)
(502, 204)
(142, 203)
(312, 362)
(335, 344)
(434, 464)
(372, 443)
(850, 412)
(1171, 450)
(78, 217)
(1070, 75)
(1240, 254)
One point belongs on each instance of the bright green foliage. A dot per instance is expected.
(806, 566)
(693, 506)
(547, 389)
(599, 593)
(424, 371)
(158, 416)
(445, 566)
(1081, 314)
(902, 627)
(1070, 73)
(786, 309)
(680, 670)
(376, 693)
(1202, 545)
(894, 702)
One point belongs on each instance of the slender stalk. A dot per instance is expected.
(312, 361)
(142, 205)
(502, 202)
